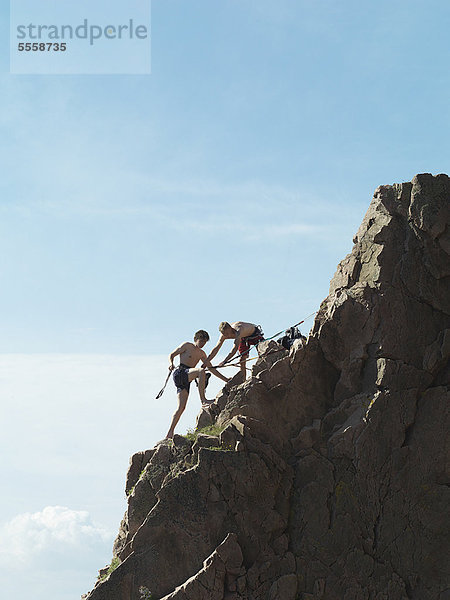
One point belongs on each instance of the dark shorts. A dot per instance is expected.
(181, 378)
(251, 340)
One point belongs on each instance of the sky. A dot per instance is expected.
(137, 209)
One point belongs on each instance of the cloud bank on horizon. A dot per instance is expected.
(55, 532)
(69, 424)
(51, 551)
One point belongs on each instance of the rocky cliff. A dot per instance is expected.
(327, 476)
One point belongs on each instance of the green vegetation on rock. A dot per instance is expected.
(105, 573)
(215, 430)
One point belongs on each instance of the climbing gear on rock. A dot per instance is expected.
(234, 358)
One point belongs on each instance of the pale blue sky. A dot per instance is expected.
(226, 185)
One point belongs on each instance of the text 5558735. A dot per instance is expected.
(42, 47)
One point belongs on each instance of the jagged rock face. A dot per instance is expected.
(330, 477)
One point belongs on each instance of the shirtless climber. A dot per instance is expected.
(190, 354)
(244, 336)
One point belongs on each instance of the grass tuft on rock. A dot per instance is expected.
(105, 573)
(214, 430)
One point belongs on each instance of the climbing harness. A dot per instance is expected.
(234, 358)
(232, 363)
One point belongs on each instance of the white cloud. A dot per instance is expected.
(46, 538)
(69, 424)
(100, 193)
(252, 209)
(252, 231)
(51, 554)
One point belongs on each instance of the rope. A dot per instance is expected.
(254, 358)
(161, 392)
(231, 362)
(296, 325)
(233, 358)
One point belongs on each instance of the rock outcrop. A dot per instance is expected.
(328, 474)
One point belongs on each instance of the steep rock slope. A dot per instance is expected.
(329, 479)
